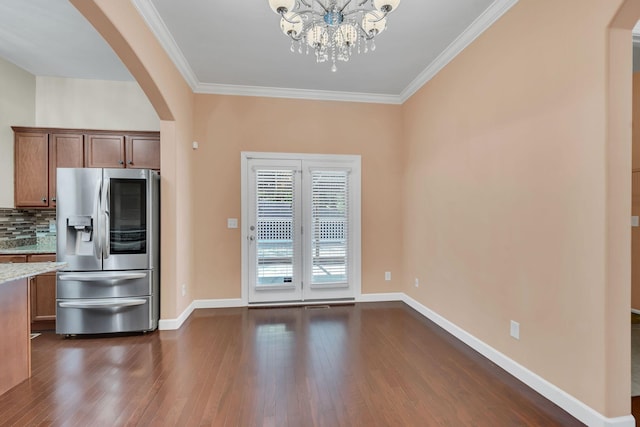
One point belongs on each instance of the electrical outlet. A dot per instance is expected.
(387, 275)
(515, 330)
(417, 283)
(184, 289)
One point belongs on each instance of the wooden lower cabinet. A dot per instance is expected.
(42, 289)
(15, 346)
(43, 296)
(43, 302)
(4, 259)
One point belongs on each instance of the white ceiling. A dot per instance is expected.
(51, 38)
(237, 47)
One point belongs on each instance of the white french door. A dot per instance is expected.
(301, 228)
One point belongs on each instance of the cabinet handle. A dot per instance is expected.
(44, 200)
(121, 162)
(53, 199)
(130, 162)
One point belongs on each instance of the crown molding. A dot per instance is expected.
(315, 95)
(477, 27)
(150, 14)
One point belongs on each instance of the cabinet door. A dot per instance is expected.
(43, 295)
(105, 151)
(43, 298)
(65, 151)
(143, 152)
(31, 169)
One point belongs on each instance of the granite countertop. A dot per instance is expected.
(20, 270)
(40, 248)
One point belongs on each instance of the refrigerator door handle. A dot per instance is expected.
(80, 277)
(97, 242)
(102, 304)
(106, 195)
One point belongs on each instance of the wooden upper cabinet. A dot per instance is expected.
(105, 151)
(143, 152)
(66, 150)
(31, 169)
(40, 151)
(120, 151)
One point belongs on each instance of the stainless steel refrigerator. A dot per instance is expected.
(109, 233)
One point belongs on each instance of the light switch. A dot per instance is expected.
(232, 222)
(635, 221)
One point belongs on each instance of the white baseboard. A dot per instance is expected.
(573, 406)
(381, 297)
(219, 303)
(171, 324)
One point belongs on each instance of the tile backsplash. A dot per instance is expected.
(19, 227)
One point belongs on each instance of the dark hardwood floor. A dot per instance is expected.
(377, 364)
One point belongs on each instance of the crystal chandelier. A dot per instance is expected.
(333, 29)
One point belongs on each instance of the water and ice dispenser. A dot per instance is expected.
(79, 235)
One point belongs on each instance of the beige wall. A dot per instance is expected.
(227, 125)
(17, 108)
(93, 104)
(635, 208)
(506, 191)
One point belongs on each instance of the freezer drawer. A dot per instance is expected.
(98, 316)
(104, 284)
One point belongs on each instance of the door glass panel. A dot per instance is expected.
(275, 224)
(128, 216)
(329, 220)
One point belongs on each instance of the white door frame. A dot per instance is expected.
(353, 161)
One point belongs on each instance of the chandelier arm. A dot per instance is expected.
(322, 5)
(294, 15)
(300, 13)
(365, 34)
(351, 12)
(345, 6)
(307, 26)
(294, 38)
(363, 2)
(309, 5)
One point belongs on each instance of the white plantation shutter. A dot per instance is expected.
(275, 223)
(330, 227)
